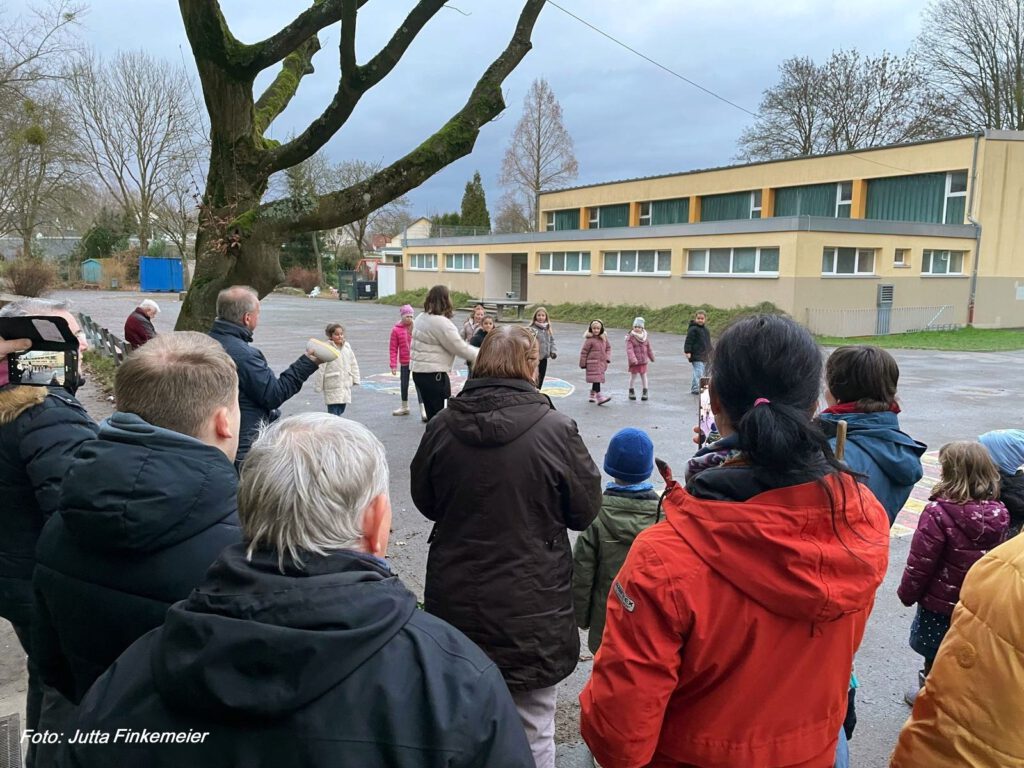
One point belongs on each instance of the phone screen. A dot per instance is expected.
(40, 368)
(707, 431)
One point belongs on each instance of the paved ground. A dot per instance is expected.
(945, 396)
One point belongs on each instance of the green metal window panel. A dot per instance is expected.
(810, 200)
(907, 198)
(670, 211)
(567, 219)
(613, 216)
(725, 207)
(955, 208)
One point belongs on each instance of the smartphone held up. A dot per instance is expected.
(52, 361)
(707, 432)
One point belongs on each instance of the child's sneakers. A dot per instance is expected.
(593, 396)
(602, 399)
(643, 395)
(632, 393)
(402, 410)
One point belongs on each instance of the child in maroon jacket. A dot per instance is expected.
(962, 523)
(595, 356)
(401, 341)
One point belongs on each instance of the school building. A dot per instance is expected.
(895, 238)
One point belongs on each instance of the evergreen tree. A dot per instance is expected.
(474, 205)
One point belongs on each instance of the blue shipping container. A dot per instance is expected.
(160, 274)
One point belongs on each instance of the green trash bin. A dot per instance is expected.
(347, 285)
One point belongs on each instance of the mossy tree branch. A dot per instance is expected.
(279, 93)
(454, 140)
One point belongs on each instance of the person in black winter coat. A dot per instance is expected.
(41, 428)
(260, 392)
(301, 647)
(500, 566)
(697, 348)
(144, 511)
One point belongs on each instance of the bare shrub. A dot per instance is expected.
(304, 279)
(30, 277)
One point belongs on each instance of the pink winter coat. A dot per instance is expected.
(595, 357)
(950, 538)
(638, 352)
(401, 340)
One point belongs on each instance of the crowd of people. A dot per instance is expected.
(196, 581)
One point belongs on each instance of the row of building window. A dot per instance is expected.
(707, 261)
(937, 198)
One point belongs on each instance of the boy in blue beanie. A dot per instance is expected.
(630, 505)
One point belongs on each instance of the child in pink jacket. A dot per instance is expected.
(595, 356)
(638, 354)
(401, 340)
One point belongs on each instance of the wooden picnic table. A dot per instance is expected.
(498, 306)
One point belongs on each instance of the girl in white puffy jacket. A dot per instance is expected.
(336, 378)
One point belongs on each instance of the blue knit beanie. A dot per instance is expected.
(1006, 446)
(630, 456)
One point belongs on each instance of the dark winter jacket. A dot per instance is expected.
(698, 342)
(595, 355)
(138, 328)
(950, 538)
(503, 475)
(260, 392)
(41, 429)
(143, 514)
(478, 338)
(875, 447)
(601, 550)
(330, 665)
(1011, 493)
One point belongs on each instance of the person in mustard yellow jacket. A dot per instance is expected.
(967, 712)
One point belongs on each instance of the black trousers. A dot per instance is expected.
(405, 383)
(432, 389)
(542, 371)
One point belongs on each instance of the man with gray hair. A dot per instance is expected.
(260, 392)
(301, 647)
(138, 328)
(41, 429)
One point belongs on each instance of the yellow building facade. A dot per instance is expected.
(873, 241)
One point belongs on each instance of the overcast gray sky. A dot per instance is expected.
(627, 117)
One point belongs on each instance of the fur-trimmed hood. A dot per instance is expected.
(14, 401)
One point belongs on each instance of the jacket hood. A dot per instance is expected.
(779, 547)
(879, 436)
(143, 488)
(983, 522)
(15, 400)
(252, 642)
(624, 517)
(491, 412)
(227, 328)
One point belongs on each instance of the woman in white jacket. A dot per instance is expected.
(337, 377)
(435, 345)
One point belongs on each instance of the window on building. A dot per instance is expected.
(844, 199)
(735, 205)
(902, 258)
(637, 262)
(462, 262)
(572, 262)
(645, 214)
(559, 220)
(675, 211)
(549, 221)
(956, 198)
(848, 261)
(755, 204)
(604, 216)
(732, 261)
(942, 262)
(423, 261)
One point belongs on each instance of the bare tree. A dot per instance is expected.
(137, 119)
(849, 102)
(239, 237)
(974, 50)
(513, 215)
(386, 219)
(540, 153)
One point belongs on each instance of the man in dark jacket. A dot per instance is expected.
(301, 647)
(138, 328)
(260, 392)
(144, 511)
(41, 428)
(697, 348)
(504, 476)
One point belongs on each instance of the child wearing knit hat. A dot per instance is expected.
(400, 346)
(638, 354)
(629, 506)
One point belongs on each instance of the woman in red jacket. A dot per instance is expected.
(732, 625)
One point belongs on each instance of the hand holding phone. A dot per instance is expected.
(706, 429)
(41, 351)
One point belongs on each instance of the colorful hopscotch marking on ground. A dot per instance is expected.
(907, 519)
(391, 385)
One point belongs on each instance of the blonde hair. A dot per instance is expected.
(968, 473)
(176, 381)
(537, 311)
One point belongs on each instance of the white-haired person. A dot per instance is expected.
(301, 647)
(138, 328)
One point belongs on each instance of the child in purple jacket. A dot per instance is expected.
(962, 522)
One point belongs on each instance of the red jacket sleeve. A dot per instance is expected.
(637, 667)
(630, 352)
(394, 348)
(925, 556)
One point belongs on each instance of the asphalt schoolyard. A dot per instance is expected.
(945, 396)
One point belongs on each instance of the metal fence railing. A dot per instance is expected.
(880, 321)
